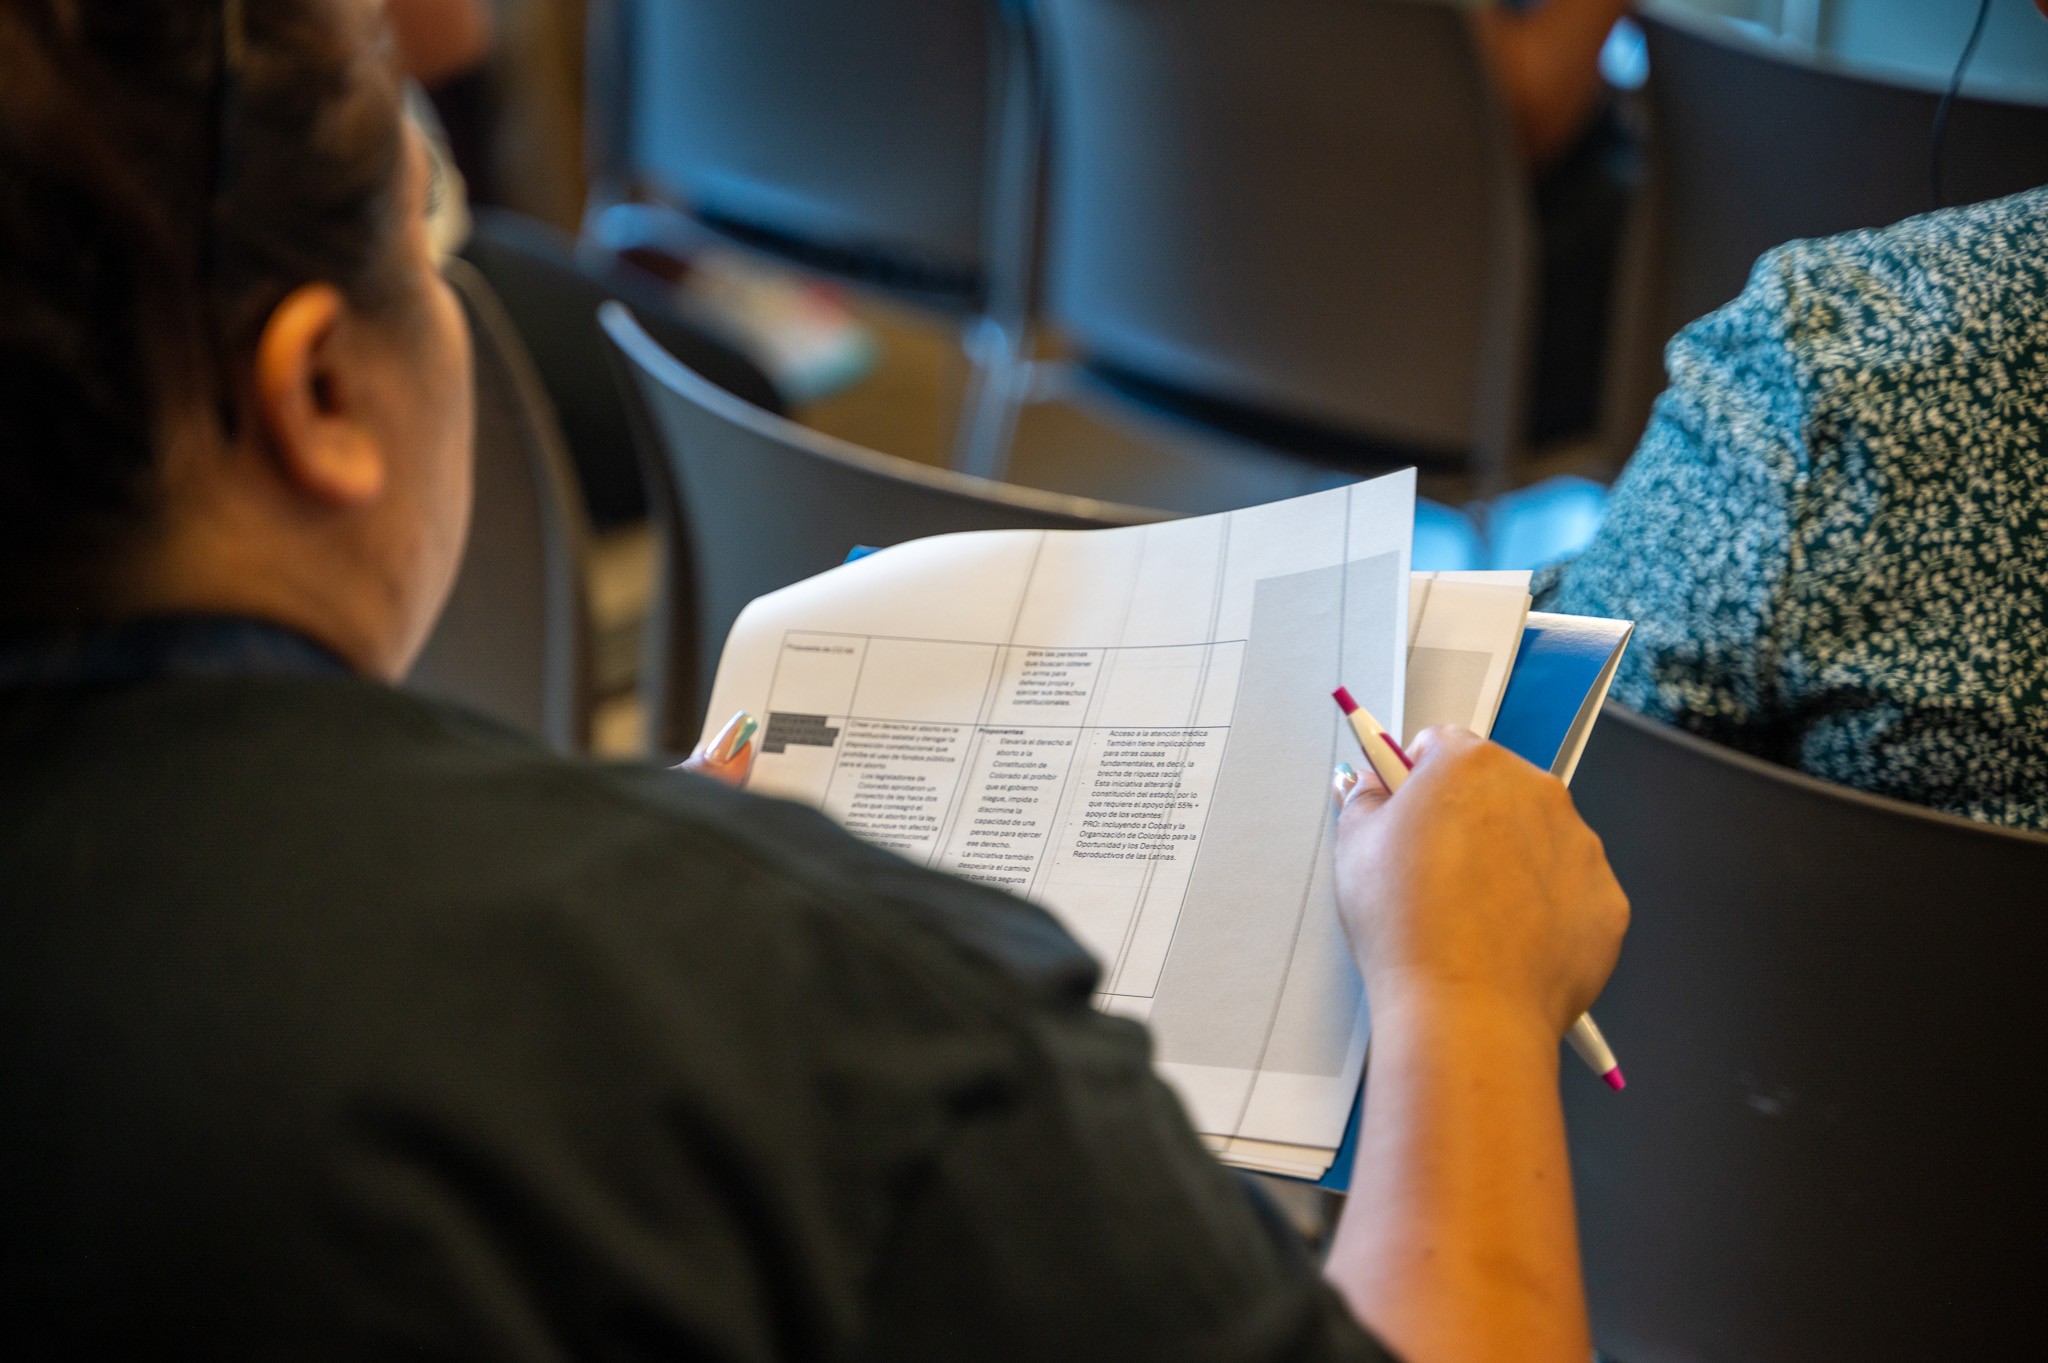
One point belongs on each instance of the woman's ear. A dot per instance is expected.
(307, 400)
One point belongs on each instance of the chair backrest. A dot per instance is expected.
(859, 138)
(1828, 1007)
(1751, 149)
(748, 502)
(514, 640)
(553, 298)
(1313, 208)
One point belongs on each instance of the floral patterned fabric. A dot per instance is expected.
(1834, 535)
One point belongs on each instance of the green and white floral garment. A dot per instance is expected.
(1834, 535)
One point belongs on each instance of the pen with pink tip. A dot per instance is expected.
(1393, 765)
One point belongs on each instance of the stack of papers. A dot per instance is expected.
(1464, 630)
(1133, 728)
(1561, 667)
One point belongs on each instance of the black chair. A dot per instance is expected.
(748, 502)
(894, 143)
(514, 639)
(552, 298)
(1750, 150)
(1302, 222)
(1829, 1011)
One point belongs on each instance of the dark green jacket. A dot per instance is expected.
(335, 1024)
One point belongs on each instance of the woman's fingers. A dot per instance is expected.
(730, 753)
(1348, 785)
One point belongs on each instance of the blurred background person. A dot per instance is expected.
(1546, 56)
(439, 40)
(446, 46)
(1585, 162)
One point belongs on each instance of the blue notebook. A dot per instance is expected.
(1561, 675)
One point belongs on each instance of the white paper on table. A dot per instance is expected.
(1132, 727)
(1464, 630)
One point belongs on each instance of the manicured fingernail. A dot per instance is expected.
(732, 737)
(1343, 783)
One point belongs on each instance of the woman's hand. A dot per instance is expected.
(1478, 880)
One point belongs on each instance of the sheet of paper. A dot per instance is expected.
(1463, 633)
(1132, 727)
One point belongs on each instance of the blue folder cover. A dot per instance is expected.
(1556, 671)
(1556, 680)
